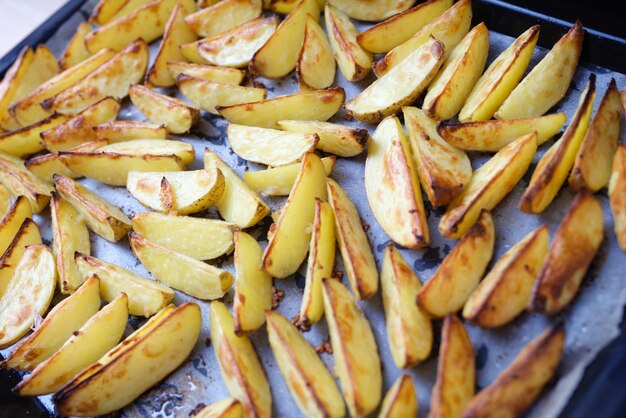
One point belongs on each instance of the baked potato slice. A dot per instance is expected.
(223, 16)
(76, 51)
(28, 234)
(341, 140)
(13, 220)
(315, 66)
(129, 130)
(179, 149)
(617, 195)
(401, 399)
(226, 408)
(208, 95)
(46, 166)
(372, 11)
(108, 10)
(205, 72)
(22, 182)
(177, 116)
(26, 141)
(5, 201)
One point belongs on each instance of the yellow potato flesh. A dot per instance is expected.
(226, 408)
(372, 11)
(124, 130)
(12, 221)
(315, 66)
(223, 16)
(27, 234)
(27, 141)
(340, 140)
(176, 115)
(617, 195)
(162, 147)
(76, 51)
(5, 201)
(22, 182)
(401, 399)
(205, 72)
(207, 94)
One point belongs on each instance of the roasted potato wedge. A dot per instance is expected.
(372, 11)
(45, 166)
(76, 51)
(28, 234)
(5, 201)
(101, 217)
(444, 171)
(574, 246)
(27, 140)
(239, 364)
(344, 141)
(226, 408)
(460, 272)
(555, 164)
(401, 399)
(107, 10)
(206, 72)
(617, 195)
(548, 80)
(315, 66)
(22, 182)
(223, 16)
(400, 86)
(12, 221)
(127, 130)
(488, 186)
(354, 347)
(177, 116)
(208, 95)
(179, 149)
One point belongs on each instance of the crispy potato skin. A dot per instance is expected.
(617, 195)
(401, 399)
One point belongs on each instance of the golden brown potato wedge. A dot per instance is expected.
(354, 347)
(460, 272)
(177, 116)
(128, 130)
(371, 11)
(456, 371)
(488, 186)
(344, 141)
(12, 221)
(76, 51)
(22, 182)
(517, 387)
(28, 234)
(208, 95)
(574, 246)
(354, 247)
(239, 363)
(392, 186)
(548, 81)
(617, 195)
(226, 408)
(622, 95)
(5, 201)
(119, 377)
(592, 167)
(206, 72)
(101, 217)
(444, 171)
(315, 66)
(181, 150)
(223, 16)
(107, 10)
(27, 140)
(555, 164)
(493, 135)
(401, 399)
(129, 6)
(504, 292)
(45, 166)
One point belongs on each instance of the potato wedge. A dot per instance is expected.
(354, 62)
(97, 336)
(548, 80)
(145, 297)
(315, 66)
(504, 292)
(28, 234)
(226, 408)
(456, 371)
(574, 246)
(45, 166)
(278, 55)
(22, 182)
(400, 86)
(278, 181)
(205, 72)
(555, 164)
(177, 116)
(28, 294)
(392, 187)
(449, 28)
(354, 347)
(182, 150)
(500, 78)
(269, 146)
(101, 217)
(239, 204)
(288, 246)
(592, 167)
(372, 11)
(344, 141)
(458, 75)
(617, 195)
(27, 141)
(517, 387)
(127, 130)
(460, 272)
(253, 286)
(78, 129)
(76, 51)
(208, 95)
(354, 247)
(401, 399)
(409, 329)
(386, 35)
(66, 317)
(308, 380)
(5, 201)
(129, 6)
(493, 135)
(239, 364)
(190, 276)
(444, 171)
(488, 186)
(12, 221)
(119, 377)
(106, 10)
(69, 234)
(223, 16)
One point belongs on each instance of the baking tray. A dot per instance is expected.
(601, 392)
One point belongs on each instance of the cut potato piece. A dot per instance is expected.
(120, 376)
(288, 246)
(46, 166)
(354, 347)
(315, 66)
(444, 171)
(253, 286)
(205, 72)
(354, 247)
(27, 140)
(392, 187)
(493, 135)
(177, 116)
(239, 363)
(131, 5)
(400, 86)
(488, 186)
(555, 164)
(28, 234)
(505, 291)
(239, 204)
(592, 167)
(409, 330)
(76, 51)
(166, 147)
(183, 273)
(517, 386)
(307, 105)
(456, 371)
(308, 380)
(458, 75)
(344, 141)
(223, 16)
(12, 222)
(28, 293)
(226, 408)
(5, 201)
(107, 10)
(617, 195)
(127, 130)
(574, 246)
(86, 345)
(22, 182)
(207, 95)
(460, 272)
(353, 61)
(269, 146)
(372, 11)
(548, 81)
(449, 29)
(401, 399)
(101, 217)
